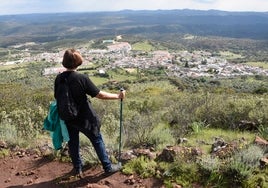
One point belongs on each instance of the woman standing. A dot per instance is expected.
(87, 121)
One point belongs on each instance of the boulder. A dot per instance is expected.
(264, 162)
(260, 141)
(170, 154)
(145, 152)
(3, 144)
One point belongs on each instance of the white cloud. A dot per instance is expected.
(28, 6)
(42, 6)
(242, 5)
(228, 5)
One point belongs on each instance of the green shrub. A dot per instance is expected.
(28, 122)
(197, 127)
(227, 111)
(261, 90)
(258, 179)
(139, 128)
(142, 166)
(21, 127)
(180, 112)
(263, 131)
(4, 153)
(243, 164)
(210, 163)
(111, 130)
(182, 173)
(249, 156)
(8, 133)
(161, 136)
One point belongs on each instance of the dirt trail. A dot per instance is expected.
(32, 171)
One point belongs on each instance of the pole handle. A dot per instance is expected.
(121, 90)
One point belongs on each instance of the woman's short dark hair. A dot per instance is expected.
(72, 59)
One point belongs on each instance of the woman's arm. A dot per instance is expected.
(105, 95)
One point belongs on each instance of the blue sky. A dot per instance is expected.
(51, 6)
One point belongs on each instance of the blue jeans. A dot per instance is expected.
(97, 142)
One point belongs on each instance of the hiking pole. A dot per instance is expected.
(121, 127)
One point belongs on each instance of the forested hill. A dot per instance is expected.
(51, 27)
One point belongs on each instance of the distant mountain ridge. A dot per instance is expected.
(88, 25)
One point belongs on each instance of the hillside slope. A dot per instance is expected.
(51, 27)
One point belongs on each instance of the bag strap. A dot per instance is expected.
(66, 80)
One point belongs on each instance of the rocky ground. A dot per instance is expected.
(26, 169)
(38, 168)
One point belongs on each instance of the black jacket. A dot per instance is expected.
(81, 86)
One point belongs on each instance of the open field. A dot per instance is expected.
(263, 65)
(230, 55)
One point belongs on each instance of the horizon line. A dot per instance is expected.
(134, 10)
